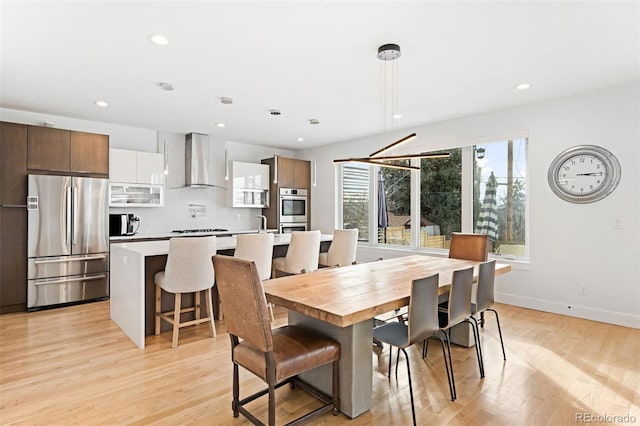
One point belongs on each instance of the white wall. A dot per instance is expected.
(570, 244)
(175, 214)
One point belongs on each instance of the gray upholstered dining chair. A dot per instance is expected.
(485, 297)
(458, 311)
(276, 356)
(421, 324)
(188, 270)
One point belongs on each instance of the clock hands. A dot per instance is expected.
(588, 174)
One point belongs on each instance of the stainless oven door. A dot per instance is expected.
(293, 208)
(287, 228)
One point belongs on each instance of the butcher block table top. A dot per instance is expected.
(351, 294)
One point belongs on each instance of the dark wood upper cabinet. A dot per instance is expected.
(58, 150)
(301, 174)
(13, 161)
(48, 149)
(285, 173)
(89, 153)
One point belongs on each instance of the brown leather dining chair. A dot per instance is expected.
(275, 356)
(469, 247)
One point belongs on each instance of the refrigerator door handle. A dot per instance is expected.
(67, 259)
(67, 214)
(75, 211)
(68, 280)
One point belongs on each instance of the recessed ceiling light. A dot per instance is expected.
(397, 116)
(300, 139)
(102, 104)
(523, 86)
(219, 124)
(166, 86)
(159, 39)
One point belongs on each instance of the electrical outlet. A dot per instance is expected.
(237, 218)
(616, 224)
(582, 289)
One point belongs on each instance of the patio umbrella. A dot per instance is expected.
(383, 218)
(488, 218)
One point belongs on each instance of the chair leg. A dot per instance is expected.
(504, 355)
(390, 358)
(197, 300)
(236, 391)
(453, 379)
(158, 308)
(272, 405)
(176, 320)
(336, 388)
(476, 339)
(209, 304)
(413, 409)
(397, 360)
(446, 368)
(482, 319)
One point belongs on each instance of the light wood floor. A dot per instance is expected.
(74, 366)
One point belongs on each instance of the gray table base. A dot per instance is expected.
(356, 367)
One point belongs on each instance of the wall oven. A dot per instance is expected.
(293, 206)
(287, 228)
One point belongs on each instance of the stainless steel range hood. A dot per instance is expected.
(197, 162)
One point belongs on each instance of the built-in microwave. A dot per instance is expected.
(287, 228)
(293, 205)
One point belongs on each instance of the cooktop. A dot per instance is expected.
(188, 231)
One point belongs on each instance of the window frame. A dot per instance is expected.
(467, 224)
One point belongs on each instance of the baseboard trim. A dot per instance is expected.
(583, 312)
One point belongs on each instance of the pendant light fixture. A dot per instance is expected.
(275, 113)
(388, 53)
(314, 122)
(225, 101)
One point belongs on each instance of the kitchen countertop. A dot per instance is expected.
(161, 246)
(166, 235)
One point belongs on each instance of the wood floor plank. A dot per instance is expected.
(75, 366)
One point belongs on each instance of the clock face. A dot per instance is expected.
(584, 174)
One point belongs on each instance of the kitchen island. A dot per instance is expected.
(133, 267)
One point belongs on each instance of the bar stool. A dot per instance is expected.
(342, 250)
(188, 270)
(302, 254)
(259, 248)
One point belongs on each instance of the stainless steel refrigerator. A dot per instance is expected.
(68, 240)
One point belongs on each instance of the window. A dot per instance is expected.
(440, 199)
(499, 187)
(493, 202)
(355, 199)
(397, 200)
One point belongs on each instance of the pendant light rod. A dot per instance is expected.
(377, 163)
(393, 145)
(411, 156)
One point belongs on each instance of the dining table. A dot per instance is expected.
(342, 302)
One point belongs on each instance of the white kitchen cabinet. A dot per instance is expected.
(122, 166)
(136, 179)
(149, 168)
(127, 166)
(250, 185)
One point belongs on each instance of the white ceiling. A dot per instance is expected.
(307, 59)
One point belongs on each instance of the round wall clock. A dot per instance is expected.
(584, 174)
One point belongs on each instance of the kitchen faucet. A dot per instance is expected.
(262, 228)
